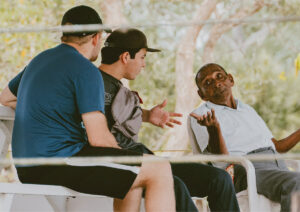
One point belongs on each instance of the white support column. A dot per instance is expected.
(58, 203)
(6, 201)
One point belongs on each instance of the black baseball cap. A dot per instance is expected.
(128, 39)
(81, 15)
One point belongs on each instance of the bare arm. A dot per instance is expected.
(287, 143)
(7, 98)
(216, 142)
(97, 130)
(159, 117)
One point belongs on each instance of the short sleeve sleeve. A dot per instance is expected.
(200, 133)
(89, 89)
(13, 85)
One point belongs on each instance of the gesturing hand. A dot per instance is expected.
(208, 120)
(159, 117)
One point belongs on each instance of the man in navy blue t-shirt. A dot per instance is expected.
(58, 91)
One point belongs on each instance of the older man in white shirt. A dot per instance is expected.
(225, 125)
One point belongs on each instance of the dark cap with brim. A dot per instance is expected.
(128, 39)
(82, 15)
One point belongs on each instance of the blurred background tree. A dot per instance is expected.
(260, 55)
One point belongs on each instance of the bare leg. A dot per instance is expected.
(157, 179)
(131, 202)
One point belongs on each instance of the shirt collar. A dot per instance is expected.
(216, 107)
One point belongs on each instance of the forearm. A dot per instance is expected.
(97, 131)
(11, 104)
(216, 141)
(106, 140)
(287, 143)
(7, 98)
(145, 115)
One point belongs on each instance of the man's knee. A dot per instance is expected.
(292, 185)
(155, 172)
(222, 176)
(222, 181)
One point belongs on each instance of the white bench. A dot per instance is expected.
(30, 197)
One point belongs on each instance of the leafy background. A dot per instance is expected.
(261, 56)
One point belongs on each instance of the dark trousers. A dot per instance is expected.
(183, 198)
(204, 180)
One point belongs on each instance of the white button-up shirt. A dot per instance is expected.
(242, 128)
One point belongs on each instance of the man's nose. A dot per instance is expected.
(217, 84)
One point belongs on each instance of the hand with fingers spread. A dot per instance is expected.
(216, 142)
(159, 117)
(208, 120)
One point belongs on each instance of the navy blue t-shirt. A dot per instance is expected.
(52, 92)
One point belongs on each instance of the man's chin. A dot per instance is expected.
(220, 94)
(131, 78)
(92, 59)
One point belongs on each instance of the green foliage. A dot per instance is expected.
(17, 49)
(264, 71)
(260, 56)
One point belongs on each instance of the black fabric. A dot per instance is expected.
(183, 198)
(99, 180)
(183, 203)
(128, 39)
(240, 178)
(90, 151)
(204, 180)
(129, 144)
(262, 150)
(81, 15)
(112, 86)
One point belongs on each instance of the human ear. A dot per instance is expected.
(124, 57)
(200, 93)
(96, 38)
(230, 77)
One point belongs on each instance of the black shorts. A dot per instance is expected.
(110, 179)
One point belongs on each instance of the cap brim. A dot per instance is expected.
(153, 50)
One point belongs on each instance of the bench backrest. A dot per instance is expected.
(7, 116)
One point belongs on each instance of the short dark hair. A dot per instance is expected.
(111, 55)
(206, 67)
(79, 40)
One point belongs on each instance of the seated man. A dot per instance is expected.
(58, 90)
(224, 125)
(123, 57)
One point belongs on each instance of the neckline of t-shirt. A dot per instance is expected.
(223, 107)
(110, 77)
(68, 46)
